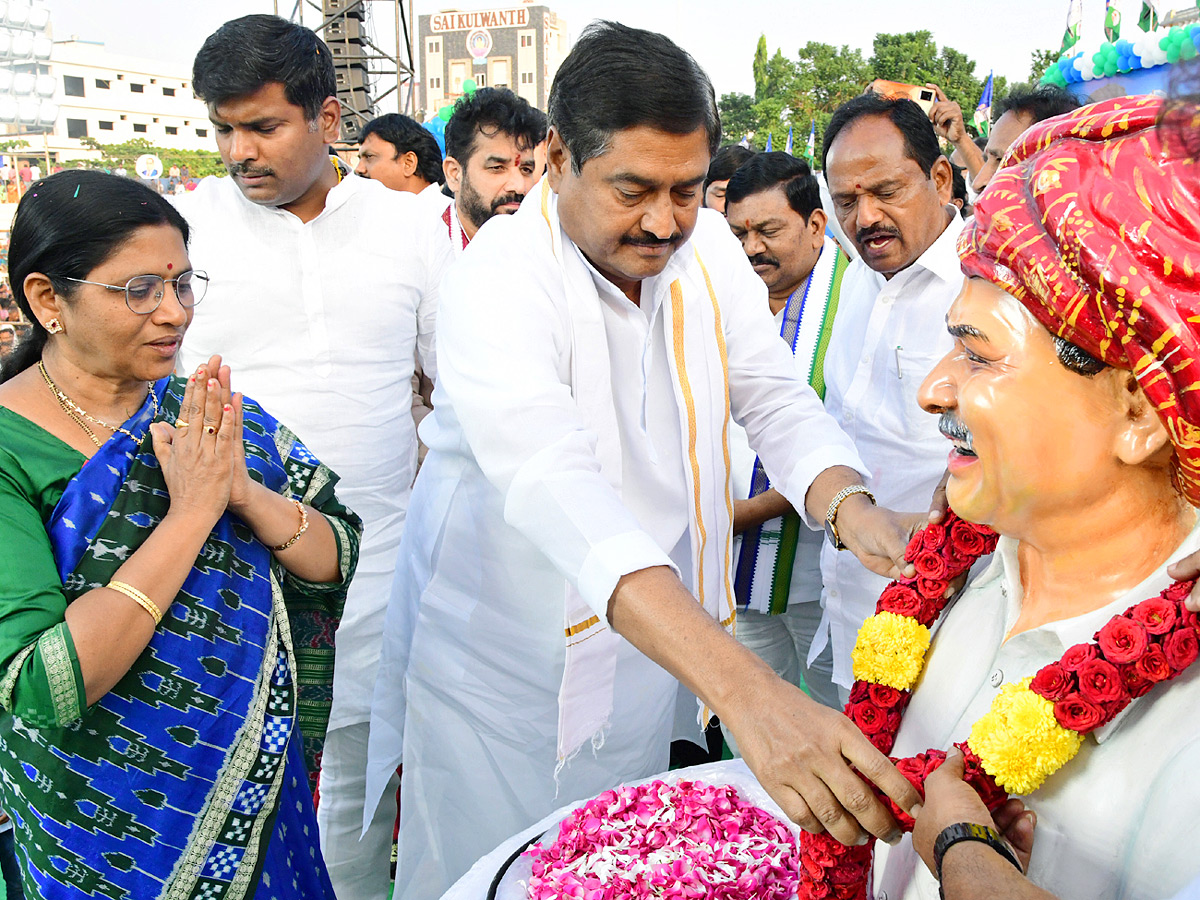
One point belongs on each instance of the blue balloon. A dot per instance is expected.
(437, 128)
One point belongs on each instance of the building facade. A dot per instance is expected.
(113, 98)
(518, 47)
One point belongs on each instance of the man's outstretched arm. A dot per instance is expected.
(800, 751)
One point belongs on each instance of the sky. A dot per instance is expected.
(721, 35)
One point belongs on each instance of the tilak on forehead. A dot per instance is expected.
(1095, 227)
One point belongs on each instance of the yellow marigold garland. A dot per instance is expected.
(890, 650)
(1018, 740)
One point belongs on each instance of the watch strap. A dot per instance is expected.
(970, 831)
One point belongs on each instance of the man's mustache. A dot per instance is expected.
(952, 427)
(869, 234)
(246, 169)
(504, 199)
(649, 240)
(762, 259)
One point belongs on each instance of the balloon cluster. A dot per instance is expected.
(437, 124)
(1181, 42)
(1155, 48)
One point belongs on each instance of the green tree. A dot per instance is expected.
(737, 117)
(797, 92)
(1039, 62)
(826, 77)
(199, 162)
(760, 67)
(914, 58)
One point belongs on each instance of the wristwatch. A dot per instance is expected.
(969, 831)
(831, 517)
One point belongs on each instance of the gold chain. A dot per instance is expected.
(337, 168)
(77, 413)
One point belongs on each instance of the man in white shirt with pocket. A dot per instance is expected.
(323, 291)
(890, 188)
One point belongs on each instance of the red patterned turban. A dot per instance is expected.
(1095, 228)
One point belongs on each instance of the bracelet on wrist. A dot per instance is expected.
(299, 531)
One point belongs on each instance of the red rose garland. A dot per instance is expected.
(1152, 641)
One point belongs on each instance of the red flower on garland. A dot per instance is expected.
(1054, 681)
(1151, 642)
(1157, 615)
(1076, 656)
(930, 565)
(903, 600)
(1181, 649)
(1122, 640)
(1153, 665)
(1077, 713)
(1100, 682)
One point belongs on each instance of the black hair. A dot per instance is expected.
(1077, 359)
(725, 162)
(492, 111)
(1043, 102)
(246, 54)
(407, 136)
(920, 141)
(958, 188)
(617, 77)
(67, 225)
(980, 141)
(768, 170)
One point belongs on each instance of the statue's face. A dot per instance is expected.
(1030, 438)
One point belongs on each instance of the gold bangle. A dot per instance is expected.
(139, 598)
(299, 531)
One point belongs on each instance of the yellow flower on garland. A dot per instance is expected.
(890, 650)
(1019, 741)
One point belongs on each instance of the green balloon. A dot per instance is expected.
(1110, 68)
(1173, 54)
(470, 87)
(1098, 59)
(1187, 50)
(445, 113)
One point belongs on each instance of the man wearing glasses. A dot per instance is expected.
(321, 293)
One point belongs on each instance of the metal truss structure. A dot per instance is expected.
(366, 72)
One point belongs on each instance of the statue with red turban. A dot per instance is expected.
(1071, 406)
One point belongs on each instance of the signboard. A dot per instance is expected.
(484, 18)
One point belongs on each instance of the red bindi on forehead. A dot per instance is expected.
(517, 161)
(170, 266)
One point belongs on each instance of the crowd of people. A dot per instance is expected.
(682, 408)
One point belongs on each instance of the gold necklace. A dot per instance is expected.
(77, 413)
(337, 168)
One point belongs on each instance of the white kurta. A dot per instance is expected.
(1119, 821)
(319, 322)
(512, 512)
(888, 335)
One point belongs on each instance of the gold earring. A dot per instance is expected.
(53, 326)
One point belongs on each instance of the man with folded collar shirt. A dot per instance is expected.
(891, 189)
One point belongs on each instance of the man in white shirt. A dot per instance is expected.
(1068, 401)
(320, 316)
(400, 154)
(492, 159)
(569, 549)
(890, 187)
(773, 205)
